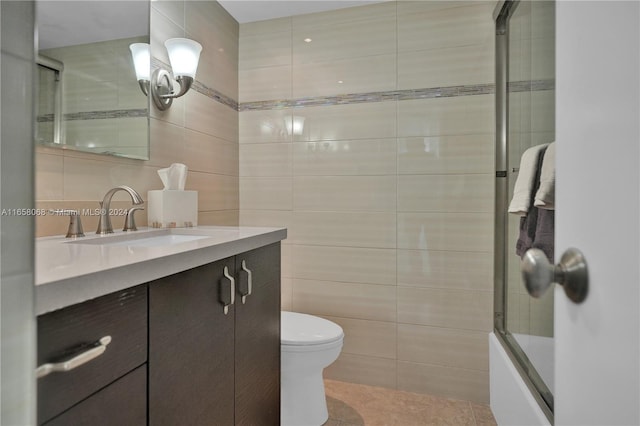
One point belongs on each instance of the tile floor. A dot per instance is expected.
(352, 404)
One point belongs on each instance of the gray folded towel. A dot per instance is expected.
(545, 229)
(529, 223)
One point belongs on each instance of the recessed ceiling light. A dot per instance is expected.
(307, 40)
(340, 81)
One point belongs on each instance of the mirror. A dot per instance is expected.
(89, 98)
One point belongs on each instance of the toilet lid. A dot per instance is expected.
(302, 329)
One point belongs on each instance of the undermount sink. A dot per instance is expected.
(137, 240)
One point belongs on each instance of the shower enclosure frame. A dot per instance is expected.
(544, 397)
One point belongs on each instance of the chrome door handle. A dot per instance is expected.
(232, 299)
(571, 273)
(249, 289)
(99, 347)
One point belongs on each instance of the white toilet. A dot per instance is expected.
(308, 344)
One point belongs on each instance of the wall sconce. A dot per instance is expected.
(294, 125)
(141, 53)
(184, 55)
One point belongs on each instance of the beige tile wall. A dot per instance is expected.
(389, 205)
(197, 131)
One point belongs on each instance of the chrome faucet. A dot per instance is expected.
(104, 224)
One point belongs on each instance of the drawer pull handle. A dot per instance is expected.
(232, 299)
(249, 289)
(76, 361)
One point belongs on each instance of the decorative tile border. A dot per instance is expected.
(101, 115)
(395, 95)
(201, 88)
(97, 115)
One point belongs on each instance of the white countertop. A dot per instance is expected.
(70, 271)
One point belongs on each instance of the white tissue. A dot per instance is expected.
(174, 177)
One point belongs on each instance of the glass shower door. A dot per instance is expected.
(528, 102)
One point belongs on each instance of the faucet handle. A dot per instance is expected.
(75, 224)
(130, 220)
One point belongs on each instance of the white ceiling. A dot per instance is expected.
(258, 10)
(69, 23)
(72, 22)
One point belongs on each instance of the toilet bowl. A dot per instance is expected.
(308, 344)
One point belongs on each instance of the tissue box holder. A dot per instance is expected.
(172, 208)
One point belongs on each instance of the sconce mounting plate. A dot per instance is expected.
(162, 88)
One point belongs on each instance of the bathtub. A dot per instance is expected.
(511, 401)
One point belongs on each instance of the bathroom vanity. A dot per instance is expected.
(161, 327)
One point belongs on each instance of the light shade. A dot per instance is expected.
(141, 60)
(184, 55)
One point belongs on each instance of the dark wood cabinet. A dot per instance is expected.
(191, 349)
(68, 332)
(124, 402)
(257, 339)
(176, 356)
(208, 367)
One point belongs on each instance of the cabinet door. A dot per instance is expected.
(257, 334)
(123, 403)
(191, 348)
(68, 332)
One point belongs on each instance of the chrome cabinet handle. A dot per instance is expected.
(571, 273)
(232, 297)
(76, 361)
(249, 289)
